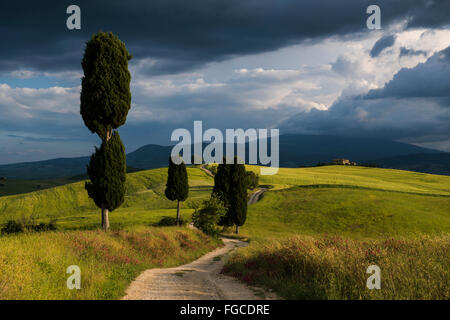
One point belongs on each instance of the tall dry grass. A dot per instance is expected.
(303, 267)
(33, 266)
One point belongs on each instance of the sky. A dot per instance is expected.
(308, 67)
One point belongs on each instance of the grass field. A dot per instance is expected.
(330, 267)
(360, 208)
(314, 234)
(12, 186)
(144, 204)
(33, 266)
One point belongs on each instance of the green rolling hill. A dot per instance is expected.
(313, 234)
(357, 201)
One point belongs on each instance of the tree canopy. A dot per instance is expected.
(107, 172)
(105, 87)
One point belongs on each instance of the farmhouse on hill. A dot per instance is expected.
(344, 162)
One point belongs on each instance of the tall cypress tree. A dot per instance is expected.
(177, 186)
(105, 101)
(230, 185)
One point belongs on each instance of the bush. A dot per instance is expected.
(207, 215)
(51, 226)
(170, 221)
(252, 180)
(27, 224)
(212, 168)
(12, 227)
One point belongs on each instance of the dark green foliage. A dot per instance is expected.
(207, 216)
(51, 226)
(107, 172)
(252, 180)
(170, 221)
(212, 169)
(177, 186)
(105, 102)
(105, 93)
(237, 210)
(27, 224)
(12, 227)
(222, 183)
(230, 186)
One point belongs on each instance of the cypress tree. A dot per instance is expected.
(237, 210)
(107, 173)
(222, 190)
(105, 101)
(177, 186)
(105, 86)
(230, 185)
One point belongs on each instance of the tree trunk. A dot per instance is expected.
(105, 212)
(108, 133)
(178, 213)
(237, 229)
(105, 219)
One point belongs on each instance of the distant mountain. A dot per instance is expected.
(428, 163)
(307, 150)
(47, 169)
(295, 151)
(147, 157)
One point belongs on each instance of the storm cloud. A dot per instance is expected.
(380, 45)
(183, 35)
(413, 106)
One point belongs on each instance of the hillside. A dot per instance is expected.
(311, 224)
(352, 200)
(306, 150)
(295, 151)
(314, 234)
(144, 204)
(436, 163)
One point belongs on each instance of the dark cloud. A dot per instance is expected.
(427, 80)
(414, 106)
(182, 35)
(381, 44)
(404, 52)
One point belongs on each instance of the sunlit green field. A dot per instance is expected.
(352, 201)
(362, 177)
(314, 234)
(324, 224)
(144, 204)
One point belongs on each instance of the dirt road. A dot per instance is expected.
(208, 172)
(198, 280)
(256, 196)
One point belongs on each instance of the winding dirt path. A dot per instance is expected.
(208, 172)
(256, 196)
(198, 280)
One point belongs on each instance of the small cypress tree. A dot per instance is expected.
(107, 172)
(105, 101)
(177, 186)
